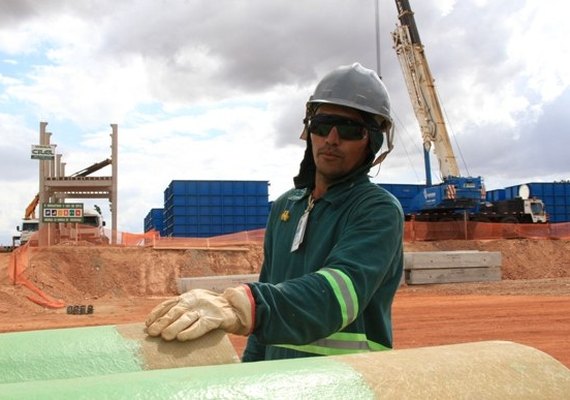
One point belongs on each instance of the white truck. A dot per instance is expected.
(28, 228)
(91, 230)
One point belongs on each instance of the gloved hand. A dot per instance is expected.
(198, 311)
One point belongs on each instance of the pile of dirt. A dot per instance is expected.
(74, 274)
(119, 271)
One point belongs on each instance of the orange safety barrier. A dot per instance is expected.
(19, 260)
(471, 230)
(138, 239)
(223, 241)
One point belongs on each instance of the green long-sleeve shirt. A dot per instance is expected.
(333, 294)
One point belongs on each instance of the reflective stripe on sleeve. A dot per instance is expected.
(338, 344)
(344, 292)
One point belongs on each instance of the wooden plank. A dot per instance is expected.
(451, 259)
(427, 276)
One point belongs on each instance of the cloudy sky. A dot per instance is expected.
(205, 89)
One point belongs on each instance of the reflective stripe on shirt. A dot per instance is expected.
(337, 344)
(344, 292)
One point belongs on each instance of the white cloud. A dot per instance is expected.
(538, 44)
(216, 90)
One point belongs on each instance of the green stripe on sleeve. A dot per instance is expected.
(344, 292)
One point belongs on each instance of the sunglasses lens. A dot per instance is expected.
(350, 132)
(320, 128)
(347, 129)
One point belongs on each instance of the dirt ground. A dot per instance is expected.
(531, 305)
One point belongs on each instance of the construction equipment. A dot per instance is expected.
(456, 197)
(92, 168)
(28, 228)
(91, 229)
(30, 223)
(31, 208)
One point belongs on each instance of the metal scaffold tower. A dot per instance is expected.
(55, 186)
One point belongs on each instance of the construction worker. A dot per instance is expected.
(333, 252)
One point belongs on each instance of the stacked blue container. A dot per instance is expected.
(155, 220)
(555, 196)
(496, 195)
(211, 208)
(405, 193)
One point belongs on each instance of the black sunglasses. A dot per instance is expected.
(348, 129)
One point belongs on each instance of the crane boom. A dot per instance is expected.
(421, 88)
(92, 168)
(31, 208)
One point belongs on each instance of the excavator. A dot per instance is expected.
(30, 223)
(456, 197)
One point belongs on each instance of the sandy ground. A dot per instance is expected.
(531, 305)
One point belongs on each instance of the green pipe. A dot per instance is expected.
(124, 370)
(102, 350)
(312, 378)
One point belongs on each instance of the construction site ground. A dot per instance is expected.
(530, 305)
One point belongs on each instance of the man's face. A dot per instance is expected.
(335, 157)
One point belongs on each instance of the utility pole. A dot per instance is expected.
(378, 70)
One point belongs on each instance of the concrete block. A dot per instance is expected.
(426, 276)
(214, 283)
(451, 259)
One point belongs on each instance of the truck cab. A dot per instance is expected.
(28, 228)
(535, 209)
(91, 230)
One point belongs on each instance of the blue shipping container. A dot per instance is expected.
(210, 208)
(155, 220)
(496, 195)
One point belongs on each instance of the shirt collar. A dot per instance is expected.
(335, 195)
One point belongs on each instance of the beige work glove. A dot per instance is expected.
(199, 311)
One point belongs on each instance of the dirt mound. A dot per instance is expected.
(111, 271)
(76, 273)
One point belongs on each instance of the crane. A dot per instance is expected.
(456, 196)
(92, 168)
(30, 212)
(421, 89)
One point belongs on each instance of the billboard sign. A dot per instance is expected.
(62, 212)
(43, 152)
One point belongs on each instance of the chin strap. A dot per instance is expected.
(390, 140)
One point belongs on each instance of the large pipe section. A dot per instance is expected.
(486, 370)
(102, 350)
